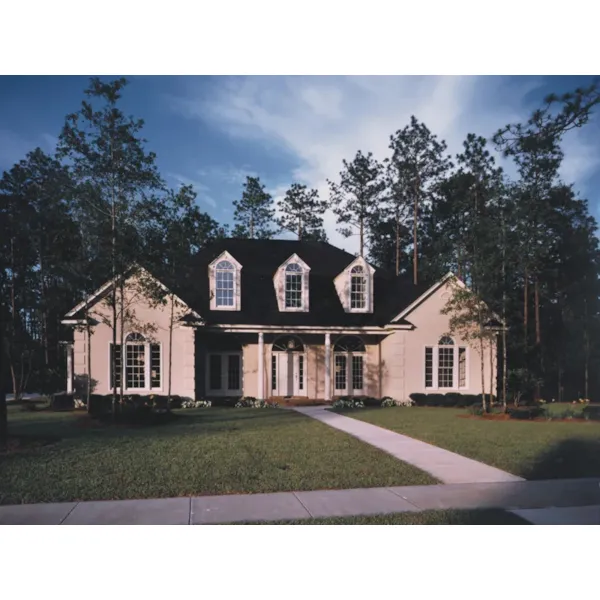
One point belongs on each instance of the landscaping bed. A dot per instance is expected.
(200, 452)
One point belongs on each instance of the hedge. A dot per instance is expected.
(449, 400)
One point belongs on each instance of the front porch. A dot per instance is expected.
(288, 367)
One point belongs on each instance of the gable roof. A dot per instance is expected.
(261, 259)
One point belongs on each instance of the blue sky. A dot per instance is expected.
(213, 131)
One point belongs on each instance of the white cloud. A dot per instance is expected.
(320, 121)
(200, 188)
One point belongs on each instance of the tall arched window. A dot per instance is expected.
(446, 365)
(358, 288)
(225, 284)
(143, 364)
(293, 286)
(348, 361)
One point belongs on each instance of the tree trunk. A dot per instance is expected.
(114, 297)
(299, 228)
(121, 337)
(482, 365)
(586, 348)
(397, 245)
(525, 309)
(362, 235)
(251, 226)
(3, 407)
(88, 341)
(415, 240)
(504, 336)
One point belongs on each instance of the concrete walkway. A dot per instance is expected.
(529, 499)
(444, 465)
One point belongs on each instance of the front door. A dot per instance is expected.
(288, 374)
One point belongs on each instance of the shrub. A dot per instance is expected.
(224, 401)
(177, 401)
(475, 410)
(62, 401)
(100, 405)
(435, 400)
(591, 412)
(347, 402)
(451, 399)
(369, 401)
(190, 403)
(527, 412)
(251, 402)
(418, 399)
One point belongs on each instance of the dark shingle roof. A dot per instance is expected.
(260, 259)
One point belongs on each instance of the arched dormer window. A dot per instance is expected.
(358, 288)
(293, 286)
(224, 276)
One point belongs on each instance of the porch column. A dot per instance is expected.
(69, 368)
(261, 366)
(327, 366)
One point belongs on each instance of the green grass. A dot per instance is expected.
(533, 450)
(203, 451)
(428, 517)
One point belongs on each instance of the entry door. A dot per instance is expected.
(290, 374)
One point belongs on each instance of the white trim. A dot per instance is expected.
(279, 282)
(375, 330)
(261, 365)
(147, 367)
(237, 282)
(455, 368)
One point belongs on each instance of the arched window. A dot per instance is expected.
(358, 288)
(224, 283)
(143, 364)
(288, 343)
(348, 358)
(446, 365)
(293, 286)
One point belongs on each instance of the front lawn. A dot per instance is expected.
(533, 450)
(427, 517)
(202, 452)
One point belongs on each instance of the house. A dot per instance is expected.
(278, 319)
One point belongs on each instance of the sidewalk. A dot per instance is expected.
(536, 501)
(444, 465)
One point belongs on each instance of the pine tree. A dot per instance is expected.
(254, 213)
(419, 163)
(356, 198)
(301, 212)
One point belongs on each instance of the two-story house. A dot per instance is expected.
(279, 319)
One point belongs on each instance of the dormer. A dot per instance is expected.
(354, 286)
(291, 285)
(224, 275)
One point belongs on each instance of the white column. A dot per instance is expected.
(327, 366)
(261, 366)
(69, 368)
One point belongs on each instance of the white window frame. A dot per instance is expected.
(343, 284)
(212, 276)
(455, 370)
(279, 281)
(147, 367)
(225, 390)
(366, 278)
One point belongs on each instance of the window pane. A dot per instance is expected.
(233, 372)
(155, 366)
(135, 366)
(115, 380)
(445, 367)
(215, 371)
(224, 287)
(273, 373)
(358, 291)
(301, 372)
(428, 367)
(357, 372)
(340, 372)
(462, 367)
(293, 291)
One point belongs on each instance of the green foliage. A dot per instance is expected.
(527, 412)
(301, 212)
(251, 402)
(591, 412)
(254, 212)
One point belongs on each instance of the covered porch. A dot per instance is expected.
(288, 364)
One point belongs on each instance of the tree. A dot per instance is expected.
(254, 212)
(113, 172)
(301, 212)
(418, 163)
(469, 319)
(355, 199)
